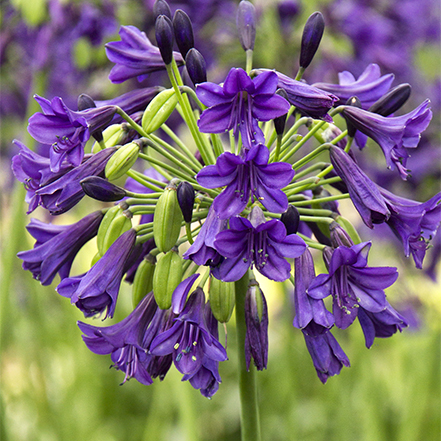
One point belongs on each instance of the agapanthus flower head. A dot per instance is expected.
(56, 246)
(239, 104)
(351, 283)
(66, 130)
(393, 134)
(247, 176)
(258, 243)
(134, 56)
(96, 291)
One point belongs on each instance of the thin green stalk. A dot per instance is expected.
(321, 200)
(175, 171)
(249, 409)
(310, 156)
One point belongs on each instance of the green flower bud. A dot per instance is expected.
(166, 278)
(114, 223)
(122, 160)
(167, 219)
(158, 110)
(143, 281)
(222, 299)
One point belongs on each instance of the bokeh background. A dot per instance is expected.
(54, 389)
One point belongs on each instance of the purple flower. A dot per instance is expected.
(251, 175)
(97, 290)
(327, 355)
(202, 251)
(239, 104)
(66, 130)
(62, 194)
(393, 134)
(134, 56)
(126, 340)
(308, 100)
(368, 88)
(351, 283)
(258, 243)
(56, 246)
(189, 339)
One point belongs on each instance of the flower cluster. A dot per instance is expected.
(251, 198)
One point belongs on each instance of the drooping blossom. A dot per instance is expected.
(56, 246)
(258, 243)
(239, 104)
(247, 176)
(96, 291)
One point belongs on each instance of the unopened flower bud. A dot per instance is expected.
(143, 281)
(312, 35)
(291, 219)
(102, 190)
(392, 101)
(222, 299)
(161, 7)
(196, 66)
(348, 228)
(339, 236)
(115, 134)
(167, 219)
(86, 102)
(167, 276)
(279, 122)
(186, 196)
(246, 24)
(165, 38)
(113, 225)
(159, 110)
(183, 32)
(354, 102)
(122, 161)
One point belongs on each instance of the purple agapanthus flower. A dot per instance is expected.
(126, 340)
(393, 134)
(308, 100)
(256, 242)
(56, 246)
(247, 176)
(327, 355)
(66, 130)
(134, 56)
(62, 194)
(189, 339)
(239, 104)
(96, 291)
(351, 283)
(202, 251)
(368, 88)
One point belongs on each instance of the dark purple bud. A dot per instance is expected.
(196, 67)
(312, 35)
(339, 236)
(246, 24)
(86, 102)
(392, 101)
(291, 219)
(354, 102)
(101, 189)
(185, 192)
(279, 122)
(183, 32)
(165, 38)
(161, 7)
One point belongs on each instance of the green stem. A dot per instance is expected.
(249, 410)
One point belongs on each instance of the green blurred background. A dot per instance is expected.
(54, 389)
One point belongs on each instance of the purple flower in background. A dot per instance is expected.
(239, 104)
(56, 246)
(393, 134)
(327, 355)
(351, 283)
(66, 130)
(368, 88)
(247, 176)
(255, 242)
(134, 56)
(96, 291)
